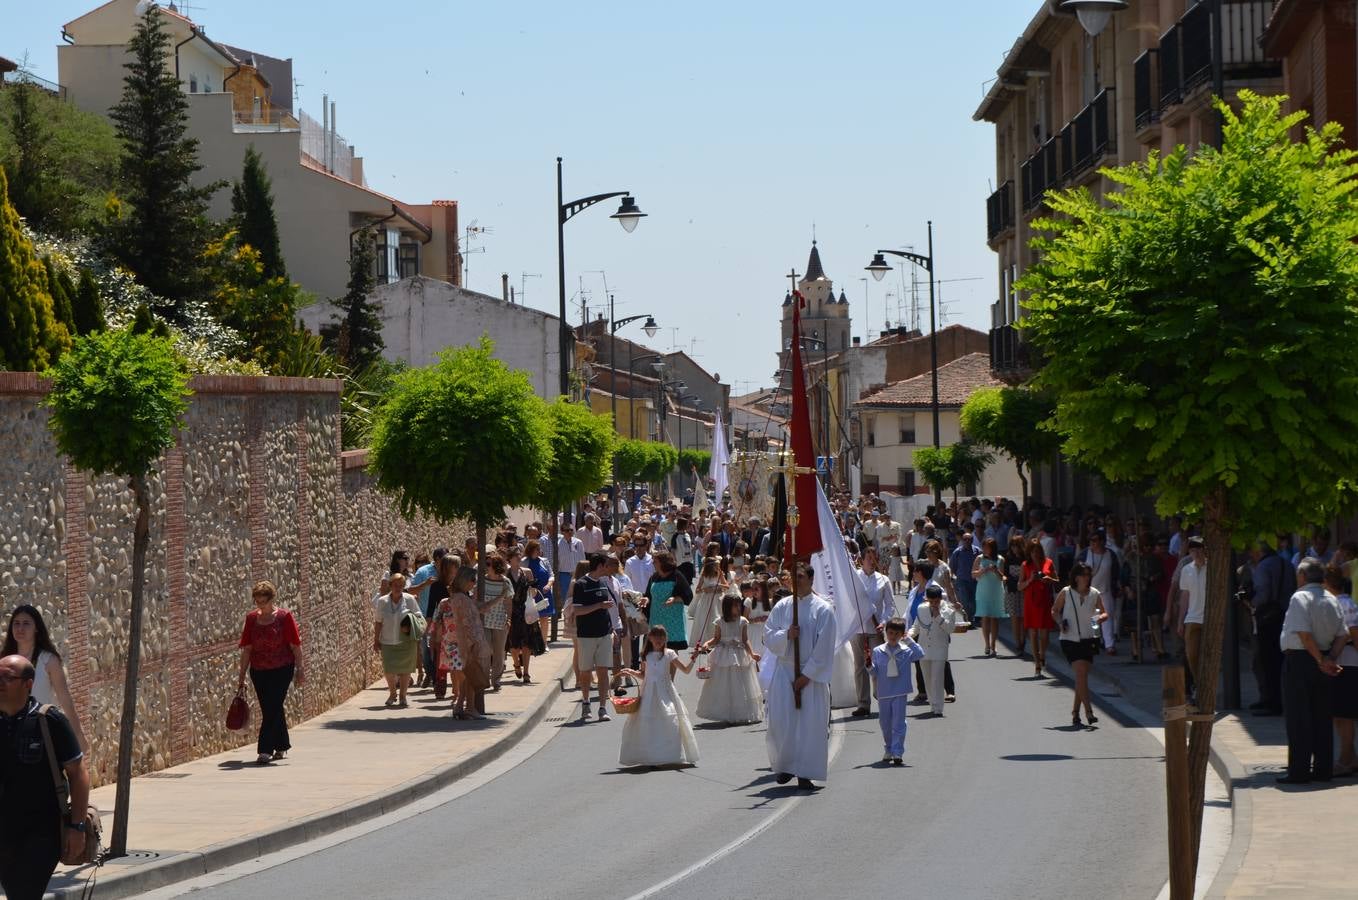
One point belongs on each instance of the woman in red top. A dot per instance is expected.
(1036, 582)
(271, 651)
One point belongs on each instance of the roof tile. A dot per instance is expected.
(957, 381)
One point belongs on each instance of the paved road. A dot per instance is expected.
(1000, 797)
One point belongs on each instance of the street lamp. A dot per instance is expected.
(1094, 15)
(697, 403)
(613, 325)
(628, 215)
(879, 267)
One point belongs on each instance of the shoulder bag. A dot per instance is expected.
(90, 851)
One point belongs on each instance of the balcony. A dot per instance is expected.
(1008, 352)
(1185, 55)
(999, 209)
(1146, 87)
(1080, 147)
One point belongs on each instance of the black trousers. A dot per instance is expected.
(27, 861)
(922, 691)
(271, 687)
(1306, 706)
(1268, 662)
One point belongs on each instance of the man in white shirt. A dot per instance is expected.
(591, 537)
(1105, 568)
(877, 588)
(1193, 602)
(888, 537)
(568, 556)
(1312, 628)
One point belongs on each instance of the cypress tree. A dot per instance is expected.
(356, 337)
(253, 217)
(33, 192)
(31, 338)
(62, 291)
(86, 308)
(162, 236)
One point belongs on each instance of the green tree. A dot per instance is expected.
(161, 234)
(661, 458)
(31, 336)
(463, 438)
(630, 459)
(690, 459)
(86, 307)
(244, 296)
(116, 401)
(252, 214)
(356, 336)
(62, 162)
(582, 448)
(968, 461)
(1212, 301)
(1015, 421)
(934, 465)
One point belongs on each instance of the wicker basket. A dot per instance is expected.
(626, 706)
(704, 672)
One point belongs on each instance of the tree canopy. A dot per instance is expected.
(1197, 329)
(648, 461)
(582, 449)
(356, 334)
(690, 458)
(1015, 421)
(465, 437)
(32, 336)
(944, 468)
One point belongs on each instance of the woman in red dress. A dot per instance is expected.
(1036, 582)
(271, 652)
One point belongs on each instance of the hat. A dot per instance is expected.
(1195, 541)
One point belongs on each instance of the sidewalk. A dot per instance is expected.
(355, 762)
(1287, 841)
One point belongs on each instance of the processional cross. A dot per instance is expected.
(788, 468)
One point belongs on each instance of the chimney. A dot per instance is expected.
(858, 342)
(511, 295)
(504, 285)
(325, 132)
(333, 132)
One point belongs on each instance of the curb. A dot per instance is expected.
(1227, 767)
(183, 866)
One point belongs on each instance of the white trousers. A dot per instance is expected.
(1112, 606)
(933, 682)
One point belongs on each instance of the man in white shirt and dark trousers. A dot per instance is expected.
(1312, 627)
(879, 596)
(1193, 604)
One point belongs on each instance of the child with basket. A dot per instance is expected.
(657, 731)
(731, 692)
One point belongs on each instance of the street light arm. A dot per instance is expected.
(922, 261)
(629, 320)
(570, 210)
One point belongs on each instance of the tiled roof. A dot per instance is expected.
(957, 381)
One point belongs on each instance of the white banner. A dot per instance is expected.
(721, 458)
(836, 579)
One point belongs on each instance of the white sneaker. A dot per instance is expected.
(603, 714)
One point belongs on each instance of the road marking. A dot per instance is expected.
(836, 744)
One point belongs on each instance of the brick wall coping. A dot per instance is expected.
(32, 383)
(354, 459)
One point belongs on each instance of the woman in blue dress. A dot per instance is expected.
(988, 571)
(542, 579)
(667, 593)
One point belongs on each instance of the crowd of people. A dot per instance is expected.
(700, 589)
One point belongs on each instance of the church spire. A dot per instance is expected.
(813, 267)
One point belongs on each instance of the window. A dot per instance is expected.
(193, 84)
(872, 432)
(408, 261)
(908, 428)
(905, 479)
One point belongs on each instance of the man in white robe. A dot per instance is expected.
(799, 739)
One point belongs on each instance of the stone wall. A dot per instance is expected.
(256, 487)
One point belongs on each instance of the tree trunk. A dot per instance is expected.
(122, 799)
(1217, 541)
(1023, 482)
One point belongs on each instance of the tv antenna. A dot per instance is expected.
(473, 232)
(523, 284)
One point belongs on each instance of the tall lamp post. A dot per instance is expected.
(613, 325)
(879, 267)
(628, 215)
(697, 403)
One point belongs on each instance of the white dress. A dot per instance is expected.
(843, 688)
(756, 629)
(659, 733)
(732, 693)
(705, 609)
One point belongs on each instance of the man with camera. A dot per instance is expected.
(35, 831)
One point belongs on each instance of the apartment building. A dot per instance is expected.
(240, 98)
(1065, 103)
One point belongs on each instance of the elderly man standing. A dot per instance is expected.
(1312, 627)
(36, 829)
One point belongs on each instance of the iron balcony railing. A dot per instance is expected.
(1146, 89)
(1185, 53)
(999, 209)
(1081, 145)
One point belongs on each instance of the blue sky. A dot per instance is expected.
(737, 125)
